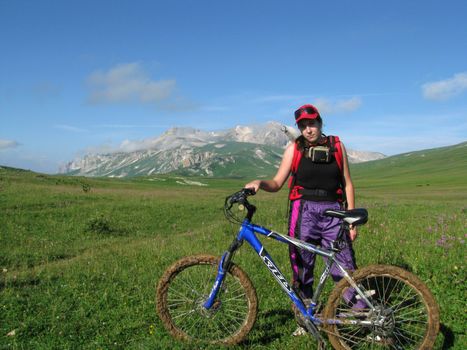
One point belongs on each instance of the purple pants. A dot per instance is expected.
(307, 223)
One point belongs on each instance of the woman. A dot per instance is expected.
(316, 185)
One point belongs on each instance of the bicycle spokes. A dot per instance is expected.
(184, 292)
(400, 317)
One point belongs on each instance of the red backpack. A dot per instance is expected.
(335, 146)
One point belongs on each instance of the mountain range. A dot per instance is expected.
(242, 151)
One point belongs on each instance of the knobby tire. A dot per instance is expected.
(412, 320)
(185, 286)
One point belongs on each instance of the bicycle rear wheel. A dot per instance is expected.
(406, 315)
(185, 287)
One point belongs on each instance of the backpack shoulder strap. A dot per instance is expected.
(293, 190)
(337, 149)
(297, 156)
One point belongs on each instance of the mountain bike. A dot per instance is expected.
(210, 299)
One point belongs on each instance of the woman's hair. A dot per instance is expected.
(301, 143)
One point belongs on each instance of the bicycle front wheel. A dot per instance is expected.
(184, 288)
(406, 315)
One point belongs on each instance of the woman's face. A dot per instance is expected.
(310, 129)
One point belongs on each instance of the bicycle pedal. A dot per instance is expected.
(299, 332)
(367, 293)
(380, 340)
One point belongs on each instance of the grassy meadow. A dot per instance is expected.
(79, 258)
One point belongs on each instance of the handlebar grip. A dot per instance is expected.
(249, 191)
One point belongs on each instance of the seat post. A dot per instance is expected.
(335, 246)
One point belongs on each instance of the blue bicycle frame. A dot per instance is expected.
(247, 233)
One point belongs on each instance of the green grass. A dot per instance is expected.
(79, 258)
(435, 170)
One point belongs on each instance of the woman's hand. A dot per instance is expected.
(254, 185)
(353, 233)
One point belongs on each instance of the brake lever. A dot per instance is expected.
(237, 197)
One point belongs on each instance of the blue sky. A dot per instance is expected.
(81, 76)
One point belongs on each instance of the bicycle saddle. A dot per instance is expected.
(353, 217)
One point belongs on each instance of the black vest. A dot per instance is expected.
(320, 180)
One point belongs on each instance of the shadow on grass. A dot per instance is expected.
(281, 316)
(395, 260)
(19, 283)
(104, 226)
(270, 319)
(448, 335)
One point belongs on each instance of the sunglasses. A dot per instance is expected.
(307, 110)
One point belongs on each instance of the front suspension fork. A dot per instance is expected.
(224, 266)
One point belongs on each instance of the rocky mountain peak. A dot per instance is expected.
(199, 152)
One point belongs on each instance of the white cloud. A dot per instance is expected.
(128, 83)
(4, 144)
(69, 128)
(125, 146)
(326, 106)
(135, 145)
(445, 89)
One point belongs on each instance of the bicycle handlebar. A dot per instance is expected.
(239, 197)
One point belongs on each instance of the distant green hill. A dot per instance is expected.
(439, 169)
(13, 170)
(433, 170)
